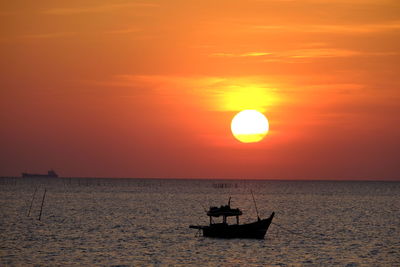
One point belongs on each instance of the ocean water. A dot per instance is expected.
(136, 222)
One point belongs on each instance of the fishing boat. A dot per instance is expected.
(256, 230)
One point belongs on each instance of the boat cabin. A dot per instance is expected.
(224, 211)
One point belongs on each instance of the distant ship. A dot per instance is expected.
(50, 174)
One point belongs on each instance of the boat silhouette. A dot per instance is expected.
(256, 230)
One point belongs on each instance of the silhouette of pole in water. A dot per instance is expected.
(41, 208)
(33, 198)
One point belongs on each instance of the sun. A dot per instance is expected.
(249, 126)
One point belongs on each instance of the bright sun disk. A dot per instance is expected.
(249, 126)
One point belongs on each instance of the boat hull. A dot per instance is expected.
(256, 230)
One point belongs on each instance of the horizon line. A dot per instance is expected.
(215, 178)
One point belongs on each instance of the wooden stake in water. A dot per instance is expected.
(41, 208)
(33, 198)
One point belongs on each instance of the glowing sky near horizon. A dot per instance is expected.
(149, 88)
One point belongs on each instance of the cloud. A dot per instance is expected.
(332, 53)
(307, 53)
(322, 53)
(232, 93)
(47, 35)
(216, 93)
(352, 2)
(93, 9)
(248, 54)
(123, 31)
(7, 13)
(334, 28)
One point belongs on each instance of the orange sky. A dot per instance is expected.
(148, 88)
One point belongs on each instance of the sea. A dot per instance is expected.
(145, 222)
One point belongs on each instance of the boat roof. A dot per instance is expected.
(223, 211)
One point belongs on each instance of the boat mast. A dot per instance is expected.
(255, 204)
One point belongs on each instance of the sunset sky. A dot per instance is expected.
(149, 88)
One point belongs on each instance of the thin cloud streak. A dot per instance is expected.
(94, 9)
(248, 54)
(228, 93)
(124, 31)
(304, 54)
(353, 2)
(338, 29)
(47, 35)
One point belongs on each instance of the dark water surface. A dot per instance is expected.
(130, 222)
